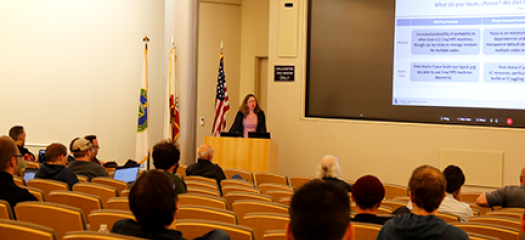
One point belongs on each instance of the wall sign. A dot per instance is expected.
(284, 73)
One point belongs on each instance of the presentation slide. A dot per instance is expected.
(467, 54)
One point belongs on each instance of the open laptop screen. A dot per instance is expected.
(127, 174)
(29, 174)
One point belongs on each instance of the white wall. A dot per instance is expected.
(71, 68)
(388, 150)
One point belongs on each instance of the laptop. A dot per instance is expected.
(29, 174)
(42, 156)
(229, 134)
(127, 174)
(265, 135)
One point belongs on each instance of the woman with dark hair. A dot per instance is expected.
(153, 201)
(250, 117)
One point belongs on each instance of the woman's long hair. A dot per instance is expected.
(244, 106)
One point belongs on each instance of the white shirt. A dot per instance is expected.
(452, 206)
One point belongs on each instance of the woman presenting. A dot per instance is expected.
(250, 117)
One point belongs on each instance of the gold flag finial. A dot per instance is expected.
(146, 40)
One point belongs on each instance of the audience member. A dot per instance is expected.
(82, 150)
(55, 166)
(204, 166)
(154, 203)
(427, 189)
(506, 197)
(368, 192)
(9, 159)
(95, 145)
(166, 156)
(70, 158)
(452, 202)
(18, 135)
(320, 210)
(330, 170)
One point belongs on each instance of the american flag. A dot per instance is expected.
(222, 102)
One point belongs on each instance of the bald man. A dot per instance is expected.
(9, 158)
(204, 166)
(506, 197)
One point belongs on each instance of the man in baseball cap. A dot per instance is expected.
(82, 151)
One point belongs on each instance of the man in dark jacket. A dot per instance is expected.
(368, 192)
(427, 189)
(204, 166)
(55, 166)
(9, 160)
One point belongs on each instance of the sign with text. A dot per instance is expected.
(284, 73)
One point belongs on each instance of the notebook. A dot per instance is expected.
(127, 174)
(29, 174)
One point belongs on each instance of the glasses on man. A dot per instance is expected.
(19, 156)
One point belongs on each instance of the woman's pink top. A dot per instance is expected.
(250, 125)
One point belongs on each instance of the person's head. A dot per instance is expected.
(56, 153)
(18, 135)
(249, 103)
(152, 200)
(522, 177)
(368, 192)
(205, 152)
(166, 155)
(82, 149)
(9, 155)
(330, 167)
(320, 210)
(455, 178)
(94, 142)
(427, 188)
(71, 144)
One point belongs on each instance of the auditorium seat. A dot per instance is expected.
(490, 230)
(262, 222)
(47, 185)
(32, 165)
(201, 179)
(119, 185)
(476, 236)
(84, 201)
(103, 191)
(393, 190)
(393, 204)
(405, 199)
(507, 214)
(265, 187)
(205, 213)
(20, 230)
(278, 194)
(243, 207)
(82, 179)
(236, 188)
(268, 177)
(449, 218)
(275, 235)
(39, 194)
(245, 174)
(470, 196)
(496, 220)
(192, 229)
(205, 185)
(202, 200)
(107, 217)
(124, 193)
(118, 203)
(298, 182)
(285, 200)
(59, 217)
(482, 210)
(235, 196)
(236, 182)
(366, 231)
(182, 171)
(90, 235)
(18, 181)
(5, 210)
(203, 191)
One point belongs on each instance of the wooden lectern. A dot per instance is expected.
(252, 154)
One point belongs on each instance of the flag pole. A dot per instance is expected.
(222, 44)
(146, 40)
